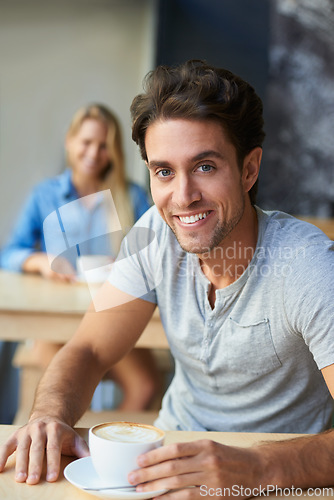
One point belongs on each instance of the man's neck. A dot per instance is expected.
(227, 262)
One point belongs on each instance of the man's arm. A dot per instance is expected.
(300, 463)
(67, 386)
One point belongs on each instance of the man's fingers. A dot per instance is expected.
(167, 452)
(168, 461)
(35, 440)
(177, 466)
(37, 452)
(69, 444)
(6, 451)
(80, 448)
(22, 459)
(53, 453)
(174, 473)
(63, 441)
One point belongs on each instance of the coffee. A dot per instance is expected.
(115, 446)
(127, 432)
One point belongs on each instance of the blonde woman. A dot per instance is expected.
(96, 160)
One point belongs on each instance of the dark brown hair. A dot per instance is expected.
(197, 91)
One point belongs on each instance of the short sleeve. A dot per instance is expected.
(137, 269)
(308, 299)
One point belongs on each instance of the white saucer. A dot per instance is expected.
(81, 474)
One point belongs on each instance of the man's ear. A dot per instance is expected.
(251, 168)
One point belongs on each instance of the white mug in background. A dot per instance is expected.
(93, 268)
(115, 446)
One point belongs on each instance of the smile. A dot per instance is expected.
(193, 218)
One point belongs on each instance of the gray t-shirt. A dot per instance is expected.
(252, 363)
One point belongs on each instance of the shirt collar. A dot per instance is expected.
(69, 193)
(67, 188)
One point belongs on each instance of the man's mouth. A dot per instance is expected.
(194, 218)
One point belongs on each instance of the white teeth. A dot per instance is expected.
(193, 218)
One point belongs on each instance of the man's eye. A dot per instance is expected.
(205, 168)
(163, 173)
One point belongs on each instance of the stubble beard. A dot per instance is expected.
(221, 231)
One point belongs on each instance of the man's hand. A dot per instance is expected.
(202, 465)
(41, 437)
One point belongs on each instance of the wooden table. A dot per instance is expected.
(32, 307)
(63, 490)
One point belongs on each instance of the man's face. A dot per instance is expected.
(196, 183)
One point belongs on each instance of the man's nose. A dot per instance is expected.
(186, 191)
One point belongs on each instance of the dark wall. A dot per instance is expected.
(298, 168)
(229, 33)
(286, 51)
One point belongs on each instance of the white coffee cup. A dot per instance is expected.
(115, 446)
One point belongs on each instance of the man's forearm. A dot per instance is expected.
(67, 386)
(301, 462)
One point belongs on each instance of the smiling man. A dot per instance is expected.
(199, 188)
(245, 297)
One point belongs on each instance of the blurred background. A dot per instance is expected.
(58, 56)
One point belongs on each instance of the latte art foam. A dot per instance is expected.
(126, 433)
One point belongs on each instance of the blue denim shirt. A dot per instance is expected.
(48, 197)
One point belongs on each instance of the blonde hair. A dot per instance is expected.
(114, 177)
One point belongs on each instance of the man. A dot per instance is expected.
(244, 296)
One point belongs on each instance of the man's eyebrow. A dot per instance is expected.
(155, 163)
(207, 154)
(200, 156)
